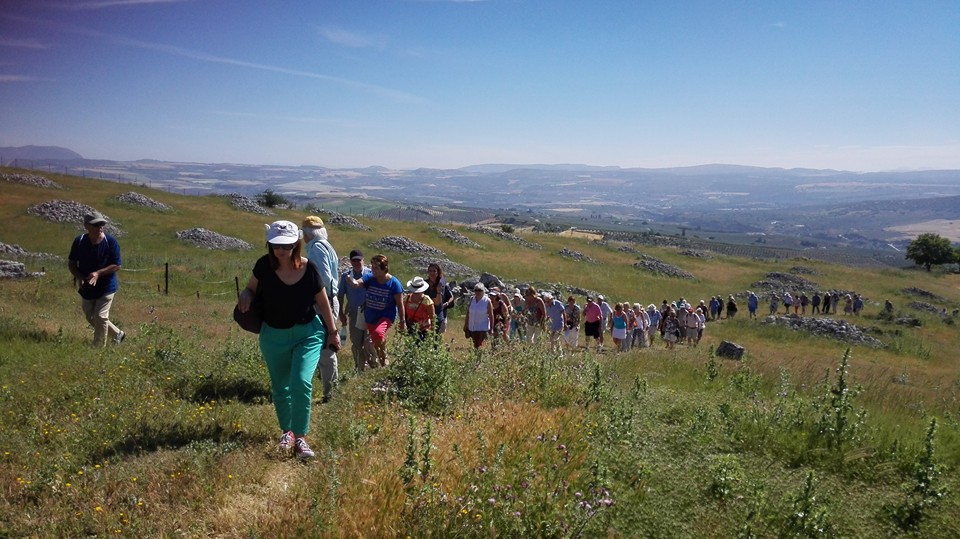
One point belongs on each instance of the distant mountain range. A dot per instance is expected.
(55, 153)
(816, 207)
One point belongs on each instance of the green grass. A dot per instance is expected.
(172, 433)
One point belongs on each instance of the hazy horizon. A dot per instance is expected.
(447, 84)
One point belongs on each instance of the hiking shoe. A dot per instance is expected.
(120, 337)
(286, 441)
(302, 450)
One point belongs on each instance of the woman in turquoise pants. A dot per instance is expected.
(292, 334)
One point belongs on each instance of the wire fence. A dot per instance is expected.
(178, 283)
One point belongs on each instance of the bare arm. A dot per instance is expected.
(246, 296)
(401, 312)
(326, 312)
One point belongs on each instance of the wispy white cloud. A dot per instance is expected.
(22, 43)
(18, 78)
(105, 4)
(204, 57)
(347, 38)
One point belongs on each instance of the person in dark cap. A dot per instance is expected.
(94, 261)
(351, 299)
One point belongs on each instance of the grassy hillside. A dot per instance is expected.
(172, 432)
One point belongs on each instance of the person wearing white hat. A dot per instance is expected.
(479, 320)
(419, 308)
(94, 261)
(291, 294)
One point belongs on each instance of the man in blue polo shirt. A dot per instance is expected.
(351, 299)
(94, 261)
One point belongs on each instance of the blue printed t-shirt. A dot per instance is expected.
(380, 302)
(90, 258)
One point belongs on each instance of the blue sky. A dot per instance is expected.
(864, 86)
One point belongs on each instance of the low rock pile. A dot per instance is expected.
(450, 268)
(202, 237)
(30, 179)
(16, 250)
(137, 199)
(802, 270)
(924, 306)
(830, 328)
(627, 249)
(15, 270)
(785, 282)
(243, 203)
(405, 245)
(575, 255)
(71, 211)
(919, 292)
(655, 265)
(339, 219)
(506, 236)
(696, 253)
(455, 237)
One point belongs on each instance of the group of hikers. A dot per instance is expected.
(307, 308)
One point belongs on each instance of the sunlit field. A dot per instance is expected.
(172, 433)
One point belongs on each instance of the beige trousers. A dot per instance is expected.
(97, 312)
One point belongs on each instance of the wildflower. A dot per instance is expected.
(98, 509)
(492, 501)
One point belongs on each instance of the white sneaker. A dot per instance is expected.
(286, 441)
(302, 450)
(120, 337)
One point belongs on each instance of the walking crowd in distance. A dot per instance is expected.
(306, 308)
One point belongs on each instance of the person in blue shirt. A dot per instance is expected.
(383, 304)
(94, 261)
(351, 299)
(752, 303)
(321, 253)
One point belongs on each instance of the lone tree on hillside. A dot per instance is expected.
(929, 249)
(270, 199)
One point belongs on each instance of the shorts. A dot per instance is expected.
(592, 329)
(378, 331)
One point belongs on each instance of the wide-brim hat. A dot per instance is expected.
(282, 233)
(417, 284)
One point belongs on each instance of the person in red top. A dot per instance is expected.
(419, 308)
(592, 318)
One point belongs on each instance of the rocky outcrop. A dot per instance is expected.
(71, 211)
(16, 250)
(15, 270)
(406, 245)
(831, 328)
(339, 219)
(778, 282)
(30, 179)
(730, 350)
(450, 268)
(455, 237)
(247, 204)
(655, 265)
(505, 236)
(575, 255)
(136, 199)
(202, 237)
